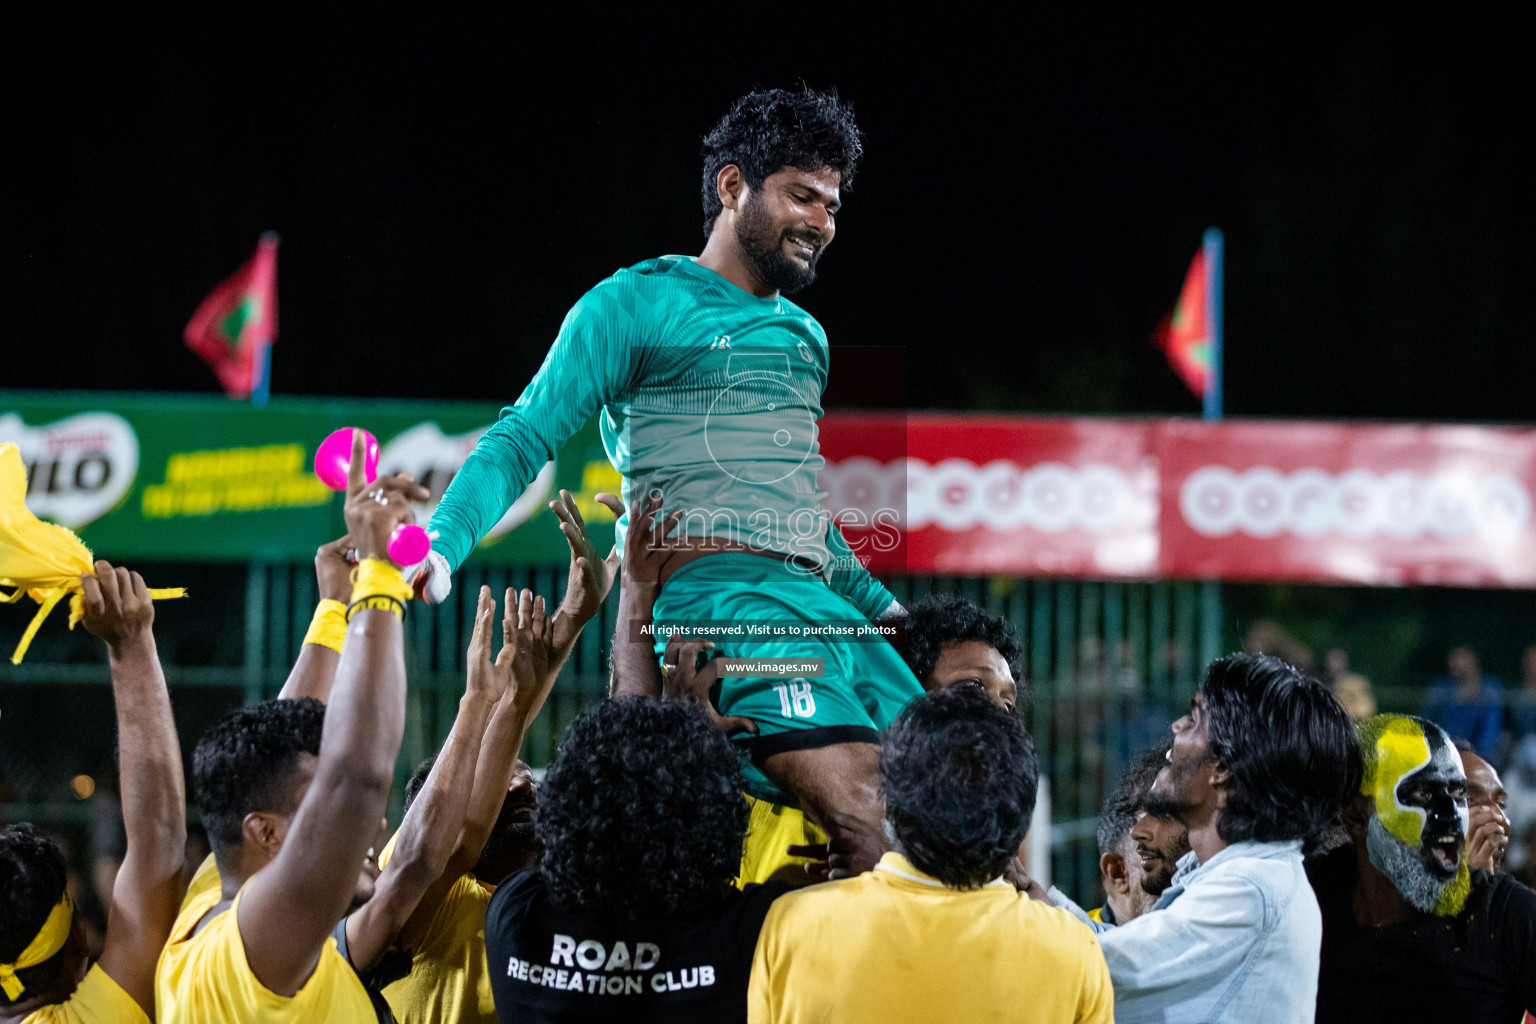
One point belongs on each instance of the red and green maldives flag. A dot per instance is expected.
(234, 327)
(1191, 336)
(1184, 335)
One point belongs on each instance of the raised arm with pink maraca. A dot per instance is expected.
(409, 543)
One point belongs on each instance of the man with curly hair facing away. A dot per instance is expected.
(935, 932)
(708, 381)
(631, 915)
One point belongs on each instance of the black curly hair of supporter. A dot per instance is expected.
(641, 813)
(770, 129)
(944, 619)
(1118, 815)
(32, 878)
(960, 778)
(248, 761)
(1291, 750)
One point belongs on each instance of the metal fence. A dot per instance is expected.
(1107, 667)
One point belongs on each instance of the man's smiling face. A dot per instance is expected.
(785, 226)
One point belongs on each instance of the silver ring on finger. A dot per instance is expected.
(379, 496)
(667, 670)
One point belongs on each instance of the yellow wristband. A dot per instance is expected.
(377, 602)
(375, 577)
(329, 626)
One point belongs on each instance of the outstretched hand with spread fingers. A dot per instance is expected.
(591, 577)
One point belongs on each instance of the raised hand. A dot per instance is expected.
(529, 633)
(590, 577)
(683, 679)
(374, 510)
(117, 606)
(489, 679)
(333, 568)
(646, 546)
(1488, 838)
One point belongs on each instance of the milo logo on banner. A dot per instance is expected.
(78, 468)
(433, 458)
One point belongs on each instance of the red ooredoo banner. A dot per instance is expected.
(1134, 499)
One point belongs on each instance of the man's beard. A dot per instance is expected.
(1403, 866)
(764, 246)
(510, 843)
(1155, 881)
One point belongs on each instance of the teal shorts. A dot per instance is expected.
(865, 684)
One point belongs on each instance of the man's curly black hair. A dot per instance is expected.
(942, 620)
(768, 130)
(960, 778)
(1118, 815)
(248, 762)
(32, 878)
(1292, 752)
(641, 813)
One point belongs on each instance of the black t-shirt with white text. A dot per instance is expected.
(1476, 967)
(549, 964)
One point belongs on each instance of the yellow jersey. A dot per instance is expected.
(206, 879)
(204, 977)
(450, 980)
(895, 945)
(98, 1000)
(771, 828)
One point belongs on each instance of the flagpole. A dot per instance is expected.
(262, 389)
(1211, 614)
(1212, 247)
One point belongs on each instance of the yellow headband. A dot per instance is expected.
(48, 942)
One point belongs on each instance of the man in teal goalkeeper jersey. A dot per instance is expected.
(709, 385)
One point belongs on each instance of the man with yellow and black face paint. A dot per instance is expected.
(1409, 929)
(1418, 789)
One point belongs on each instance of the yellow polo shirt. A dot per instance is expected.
(204, 978)
(895, 945)
(98, 1000)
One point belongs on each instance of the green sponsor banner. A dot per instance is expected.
(193, 478)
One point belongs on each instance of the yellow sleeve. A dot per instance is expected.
(760, 987)
(98, 1000)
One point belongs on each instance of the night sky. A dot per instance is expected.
(1030, 199)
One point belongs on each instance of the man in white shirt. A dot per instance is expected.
(1264, 762)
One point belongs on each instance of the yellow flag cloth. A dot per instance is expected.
(41, 560)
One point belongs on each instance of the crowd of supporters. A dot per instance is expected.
(1271, 861)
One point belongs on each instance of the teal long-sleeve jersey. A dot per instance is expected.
(708, 394)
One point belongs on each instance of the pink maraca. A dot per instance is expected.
(409, 544)
(334, 457)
